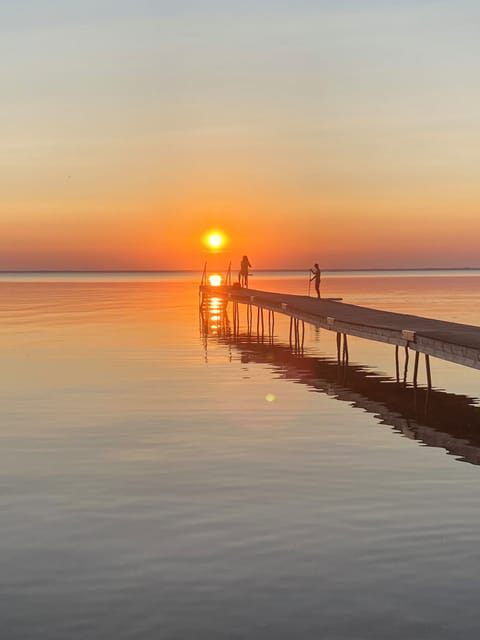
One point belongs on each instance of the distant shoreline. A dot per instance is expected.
(153, 271)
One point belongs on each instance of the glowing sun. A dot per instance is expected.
(214, 240)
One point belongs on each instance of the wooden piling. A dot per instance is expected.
(415, 368)
(405, 370)
(429, 375)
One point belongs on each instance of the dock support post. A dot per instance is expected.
(291, 329)
(339, 340)
(397, 363)
(235, 317)
(429, 375)
(263, 325)
(258, 321)
(405, 370)
(303, 335)
(249, 319)
(271, 324)
(345, 350)
(415, 368)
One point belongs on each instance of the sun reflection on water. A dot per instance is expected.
(215, 280)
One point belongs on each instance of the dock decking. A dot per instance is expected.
(459, 343)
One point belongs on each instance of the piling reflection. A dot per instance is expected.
(435, 418)
(213, 317)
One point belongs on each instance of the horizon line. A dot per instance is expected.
(13, 271)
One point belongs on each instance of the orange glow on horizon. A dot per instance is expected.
(274, 234)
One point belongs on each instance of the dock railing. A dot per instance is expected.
(203, 281)
(228, 276)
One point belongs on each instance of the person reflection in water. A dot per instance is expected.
(244, 267)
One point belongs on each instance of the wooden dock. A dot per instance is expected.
(459, 343)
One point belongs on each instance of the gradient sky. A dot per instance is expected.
(343, 132)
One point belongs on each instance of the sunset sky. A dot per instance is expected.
(340, 131)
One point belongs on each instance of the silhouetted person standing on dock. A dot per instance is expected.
(316, 277)
(244, 267)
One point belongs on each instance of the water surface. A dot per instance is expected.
(157, 482)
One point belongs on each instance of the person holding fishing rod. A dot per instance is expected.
(316, 276)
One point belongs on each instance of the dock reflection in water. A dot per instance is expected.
(435, 418)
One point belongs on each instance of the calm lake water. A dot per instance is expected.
(163, 480)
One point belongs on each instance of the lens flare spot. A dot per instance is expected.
(269, 397)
